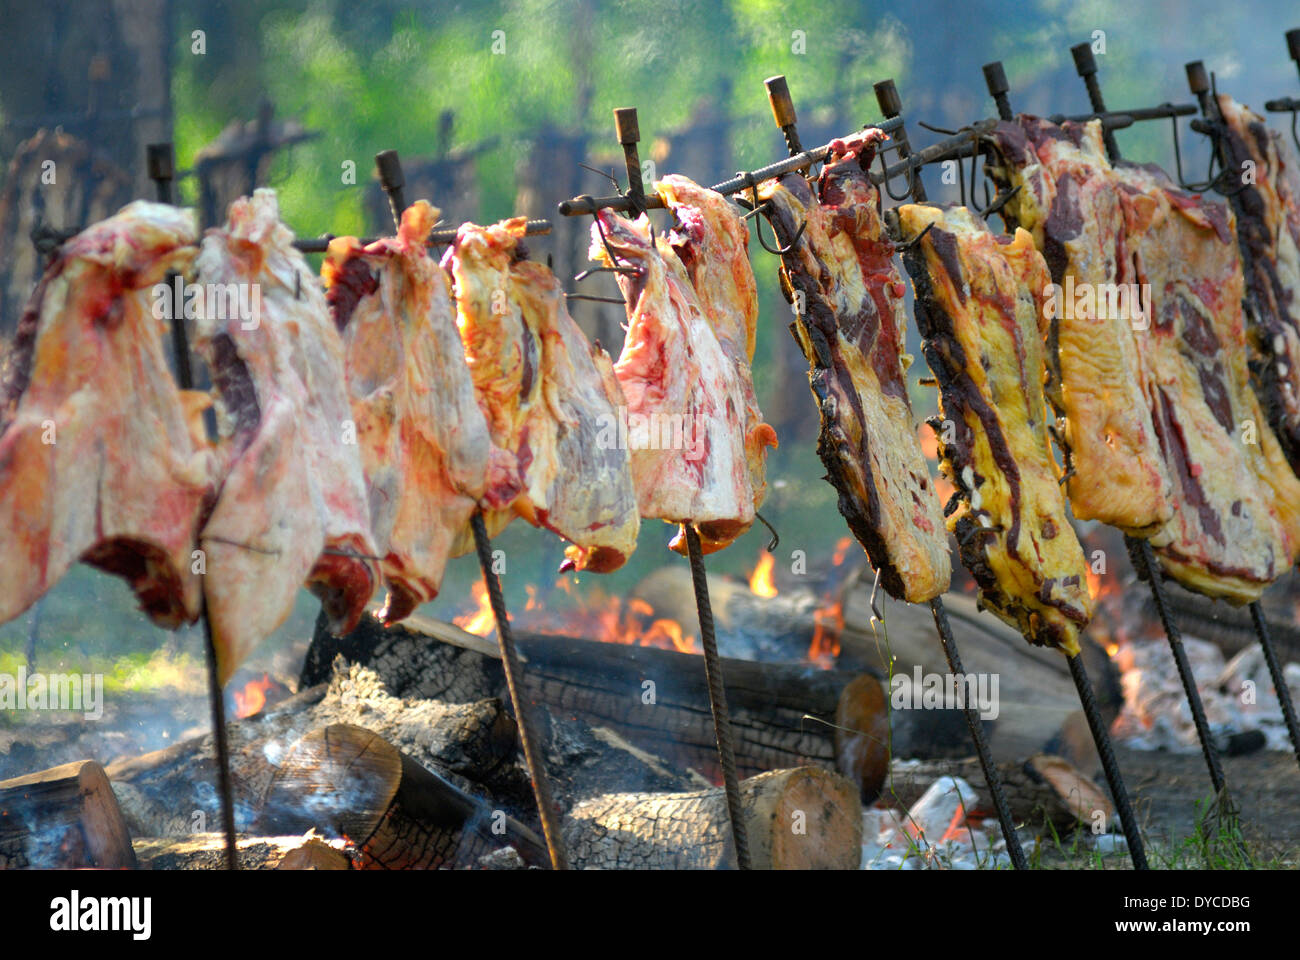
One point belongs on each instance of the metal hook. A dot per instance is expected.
(1178, 162)
(755, 206)
(590, 270)
(604, 173)
(1000, 202)
(776, 539)
(600, 228)
(911, 180)
(909, 244)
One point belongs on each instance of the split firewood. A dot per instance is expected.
(1041, 790)
(207, 851)
(63, 817)
(802, 819)
(350, 782)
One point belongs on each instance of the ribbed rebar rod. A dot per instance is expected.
(1279, 679)
(523, 710)
(161, 164)
(718, 698)
(1106, 751)
(1140, 550)
(991, 776)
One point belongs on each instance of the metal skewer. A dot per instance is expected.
(579, 206)
(436, 238)
(1147, 569)
(996, 79)
(162, 166)
(1140, 550)
(891, 105)
(1202, 87)
(394, 183)
(635, 201)
(722, 731)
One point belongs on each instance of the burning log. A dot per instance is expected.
(657, 699)
(63, 817)
(802, 819)
(207, 851)
(400, 815)
(1044, 789)
(167, 792)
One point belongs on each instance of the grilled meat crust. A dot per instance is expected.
(849, 322)
(1268, 235)
(979, 306)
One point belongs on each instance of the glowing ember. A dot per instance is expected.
(760, 581)
(828, 625)
(480, 622)
(253, 697)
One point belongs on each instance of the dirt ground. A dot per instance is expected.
(1264, 786)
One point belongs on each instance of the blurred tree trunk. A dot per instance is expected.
(101, 69)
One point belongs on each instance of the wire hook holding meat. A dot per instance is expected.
(755, 206)
(911, 179)
(1000, 201)
(909, 244)
(776, 538)
(600, 228)
(1211, 176)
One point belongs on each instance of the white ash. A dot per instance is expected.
(1238, 696)
(920, 838)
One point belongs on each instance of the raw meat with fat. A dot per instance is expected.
(102, 457)
(423, 439)
(292, 507)
(549, 404)
(685, 411)
(712, 242)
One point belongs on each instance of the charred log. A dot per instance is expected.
(400, 815)
(63, 817)
(803, 819)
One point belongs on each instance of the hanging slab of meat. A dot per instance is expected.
(1237, 524)
(292, 507)
(102, 458)
(685, 412)
(548, 399)
(423, 439)
(1268, 233)
(850, 324)
(979, 305)
(1097, 383)
(712, 243)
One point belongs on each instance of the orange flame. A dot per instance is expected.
(609, 619)
(481, 622)
(828, 624)
(841, 551)
(760, 581)
(253, 697)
